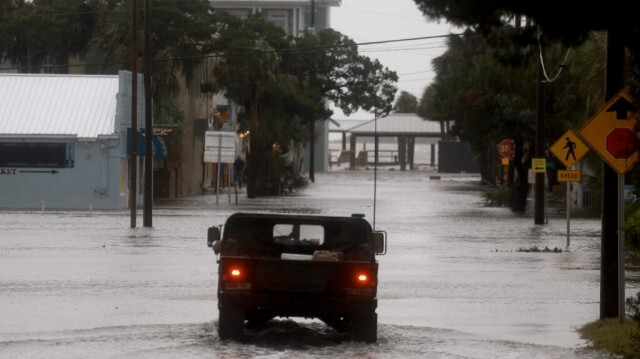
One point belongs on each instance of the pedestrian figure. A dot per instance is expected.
(570, 146)
(238, 167)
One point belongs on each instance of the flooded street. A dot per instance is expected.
(452, 285)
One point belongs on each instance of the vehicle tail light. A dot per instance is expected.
(233, 274)
(363, 283)
(235, 278)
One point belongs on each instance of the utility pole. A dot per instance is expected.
(133, 185)
(148, 159)
(312, 122)
(609, 284)
(539, 217)
(252, 164)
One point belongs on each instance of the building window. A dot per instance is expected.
(241, 13)
(279, 18)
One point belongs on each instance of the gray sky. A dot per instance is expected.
(379, 20)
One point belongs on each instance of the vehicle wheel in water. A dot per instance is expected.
(364, 327)
(230, 323)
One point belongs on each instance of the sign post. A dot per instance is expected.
(611, 134)
(506, 151)
(569, 149)
(219, 147)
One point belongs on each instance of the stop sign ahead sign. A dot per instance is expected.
(611, 133)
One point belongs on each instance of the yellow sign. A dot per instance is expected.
(539, 165)
(569, 149)
(611, 133)
(569, 176)
(505, 161)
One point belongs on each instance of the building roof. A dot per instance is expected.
(344, 125)
(271, 3)
(398, 124)
(82, 106)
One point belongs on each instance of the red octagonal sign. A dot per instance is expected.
(621, 143)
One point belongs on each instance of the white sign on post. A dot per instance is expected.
(219, 146)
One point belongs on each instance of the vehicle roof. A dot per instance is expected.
(257, 228)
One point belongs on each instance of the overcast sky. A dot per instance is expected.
(380, 20)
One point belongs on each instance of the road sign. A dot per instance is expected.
(539, 165)
(611, 133)
(569, 148)
(162, 130)
(569, 176)
(219, 146)
(505, 148)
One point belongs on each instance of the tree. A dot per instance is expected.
(289, 80)
(551, 18)
(41, 33)
(488, 93)
(406, 103)
(179, 35)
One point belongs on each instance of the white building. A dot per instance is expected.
(63, 141)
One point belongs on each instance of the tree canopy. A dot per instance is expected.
(289, 80)
(570, 21)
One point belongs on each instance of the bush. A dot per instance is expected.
(632, 226)
(498, 197)
(633, 307)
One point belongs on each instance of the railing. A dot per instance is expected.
(340, 157)
(589, 200)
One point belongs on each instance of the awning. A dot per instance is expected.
(158, 146)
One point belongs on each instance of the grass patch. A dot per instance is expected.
(614, 337)
(535, 249)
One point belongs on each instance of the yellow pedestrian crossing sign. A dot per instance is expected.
(569, 149)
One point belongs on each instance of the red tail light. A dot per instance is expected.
(365, 279)
(233, 273)
(235, 278)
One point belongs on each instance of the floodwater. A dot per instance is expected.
(453, 284)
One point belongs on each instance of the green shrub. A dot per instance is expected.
(632, 226)
(633, 307)
(498, 197)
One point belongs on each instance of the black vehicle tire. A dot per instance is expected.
(364, 327)
(230, 323)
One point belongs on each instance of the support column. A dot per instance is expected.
(411, 151)
(352, 149)
(433, 155)
(402, 152)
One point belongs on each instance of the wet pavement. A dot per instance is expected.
(453, 285)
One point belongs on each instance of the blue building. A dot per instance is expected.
(63, 141)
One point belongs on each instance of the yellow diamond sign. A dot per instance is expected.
(569, 149)
(611, 133)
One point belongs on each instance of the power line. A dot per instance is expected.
(251, 52)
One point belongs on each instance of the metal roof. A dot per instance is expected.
(271, 3)
(344, 125)
(82, 106)
(398, 124)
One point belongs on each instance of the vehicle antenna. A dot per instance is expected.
(375, 164)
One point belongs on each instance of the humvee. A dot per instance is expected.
(284, 265)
